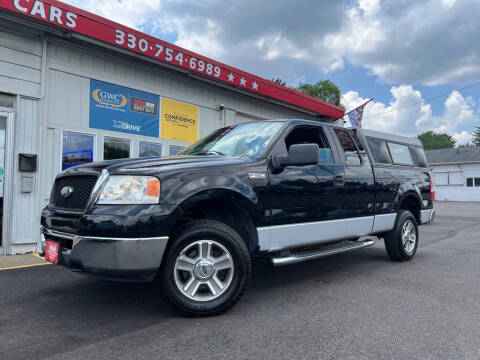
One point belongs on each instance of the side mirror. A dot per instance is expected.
(299, 155)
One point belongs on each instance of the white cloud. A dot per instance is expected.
(448, 3)
(131, 13)
(412, 41)
(463, 138)
(202, 42)
(396, 117)
(423, 42)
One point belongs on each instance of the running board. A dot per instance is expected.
(327, 250)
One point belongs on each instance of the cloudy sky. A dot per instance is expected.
(403, 53)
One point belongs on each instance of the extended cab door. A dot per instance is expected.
(300, 197)
(359, 199)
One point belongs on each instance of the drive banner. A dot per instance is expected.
(117, 108)
(179, 121)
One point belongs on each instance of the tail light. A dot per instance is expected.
(432, 193)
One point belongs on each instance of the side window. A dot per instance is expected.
(359, 145)
(400, 154)
(352, 157)
(311, 135)
(379, 151)
(473, 182)
(418, 156)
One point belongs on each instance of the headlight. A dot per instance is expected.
(130, 190)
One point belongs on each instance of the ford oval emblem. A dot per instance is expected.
(66, 191)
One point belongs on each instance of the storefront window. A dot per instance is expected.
(77, 149)
(114, 148)
(150, 149)
(174, 149)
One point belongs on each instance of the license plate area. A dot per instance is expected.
(52, 249)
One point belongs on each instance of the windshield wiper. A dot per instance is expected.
(214, 152)
(210, 152)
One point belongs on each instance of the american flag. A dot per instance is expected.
(356, 115)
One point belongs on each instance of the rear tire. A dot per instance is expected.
(205, 270)
(402, 241)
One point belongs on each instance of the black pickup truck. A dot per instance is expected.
(283, 190)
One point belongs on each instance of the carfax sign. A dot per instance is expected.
(118, 108)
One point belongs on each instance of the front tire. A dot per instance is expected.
(402, 241)
(206, 269)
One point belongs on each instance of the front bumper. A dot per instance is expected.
(123, 259)
(427, 216)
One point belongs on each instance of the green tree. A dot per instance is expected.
(476, 137)
(324, 89)
(432, 141)
(279, 82)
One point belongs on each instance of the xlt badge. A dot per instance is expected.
(257, 175)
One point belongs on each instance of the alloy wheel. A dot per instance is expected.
(203, 270)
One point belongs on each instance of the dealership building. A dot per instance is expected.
(76, 88)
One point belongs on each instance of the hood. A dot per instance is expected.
(154, 165)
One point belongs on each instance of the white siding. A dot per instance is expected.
(240, 118)
(20, 64)
(24, 214)
(49, 164)
(458, 192)
(68, 100)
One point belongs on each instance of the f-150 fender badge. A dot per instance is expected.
(255, 175)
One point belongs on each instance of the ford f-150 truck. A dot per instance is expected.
(283, 190)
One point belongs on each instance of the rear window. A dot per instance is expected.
(418, 156)
(352, 156)
(379, 151)
(400, 154)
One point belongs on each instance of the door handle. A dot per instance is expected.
(339, 179)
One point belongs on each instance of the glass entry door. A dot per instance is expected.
(3, 141)
(6, 138)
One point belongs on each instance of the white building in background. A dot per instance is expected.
(76, 88)
(456, 173)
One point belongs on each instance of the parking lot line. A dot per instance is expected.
(22, 266)
(22, 261)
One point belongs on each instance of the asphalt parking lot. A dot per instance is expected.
(358, 305)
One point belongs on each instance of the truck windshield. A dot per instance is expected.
(249, 139)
